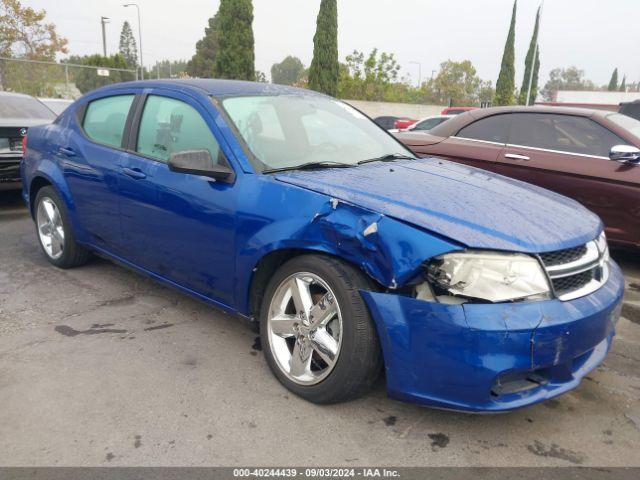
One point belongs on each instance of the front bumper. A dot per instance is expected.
(493, 357)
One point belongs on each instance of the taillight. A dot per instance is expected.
(24, 146)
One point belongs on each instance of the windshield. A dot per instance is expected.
(429, 123)
(628, 123)
(286, 131)
(23, 107)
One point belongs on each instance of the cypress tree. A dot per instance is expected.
(236, 56)
(203, 62)
(613, 83)
(128, 47)
(324, 70)
(623, 85)
(527, 67)
(506, 84)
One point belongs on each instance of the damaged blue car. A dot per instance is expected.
(470, 291)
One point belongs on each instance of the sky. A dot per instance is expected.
(594, 35)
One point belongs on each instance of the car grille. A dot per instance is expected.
(577, 271)
(563, 256)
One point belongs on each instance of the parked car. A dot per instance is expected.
(631, 109)
(404, 123)
(456, 110)
(386, 122)
(565, 150)
(425, 124)
(292, 209)
(57, 105)
(17, 113)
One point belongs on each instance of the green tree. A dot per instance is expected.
(168, 69)
(613, 83)
(24, 34)
(325, 67)
(458, 83)
(203, 62)
(236, 57)
(570, 78)
(373, 77)
(87, 79)
(623, 85)
(528, 63)
(506, 84)
(128, 47)
(288, 72)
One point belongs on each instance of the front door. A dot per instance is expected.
(176, 225)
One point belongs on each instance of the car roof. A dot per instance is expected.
(14, 94)
(216, 87)
(452, 126)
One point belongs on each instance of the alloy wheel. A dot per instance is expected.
(50, 228)
(305, 328)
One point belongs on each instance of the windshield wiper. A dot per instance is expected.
(389, 157)
(310, 166)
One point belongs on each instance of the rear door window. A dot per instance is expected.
(564, 133)
(105, 118)
(169, 126)
(489, 129)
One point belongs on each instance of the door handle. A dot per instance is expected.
(515, 156)
(134, 173)
(67, 151)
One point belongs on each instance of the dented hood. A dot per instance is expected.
(474, 207)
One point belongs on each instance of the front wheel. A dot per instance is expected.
(319, 339)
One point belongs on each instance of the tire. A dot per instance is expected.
(70, 254)
(336, 378)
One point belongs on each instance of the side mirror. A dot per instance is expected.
(625, 154)
(199, 162)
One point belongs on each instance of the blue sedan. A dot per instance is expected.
(296, 212)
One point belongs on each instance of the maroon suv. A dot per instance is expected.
(590, 155)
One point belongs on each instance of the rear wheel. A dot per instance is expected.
(319, 339)
(54, 231)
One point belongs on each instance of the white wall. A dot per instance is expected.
(378, 109)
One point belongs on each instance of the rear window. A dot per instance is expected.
(105, 118)
(23, 107)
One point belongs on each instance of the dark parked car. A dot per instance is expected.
(386, 122)
(569, 151)
(17, 113)
(294, 210)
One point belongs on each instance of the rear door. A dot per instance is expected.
(478, 144)
(90, 160)
(569, 155)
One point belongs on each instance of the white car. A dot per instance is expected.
(57, 105)
(425, 124)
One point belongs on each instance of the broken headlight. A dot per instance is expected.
(487, 276)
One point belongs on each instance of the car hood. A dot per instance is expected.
(417, 139)
(473, 207)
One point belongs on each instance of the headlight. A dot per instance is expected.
(489, 276)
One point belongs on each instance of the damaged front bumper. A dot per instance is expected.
(493, 357)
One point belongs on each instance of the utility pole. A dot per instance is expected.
(104, 21)
(139, 36)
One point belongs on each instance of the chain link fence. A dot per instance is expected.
(57, 80)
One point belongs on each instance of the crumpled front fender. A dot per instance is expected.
(388, 250)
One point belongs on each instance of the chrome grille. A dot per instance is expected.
(578, 271)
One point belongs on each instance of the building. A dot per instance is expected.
(603, 100)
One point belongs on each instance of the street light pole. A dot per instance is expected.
(139, 36)
(103, 21)
(419, 72)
